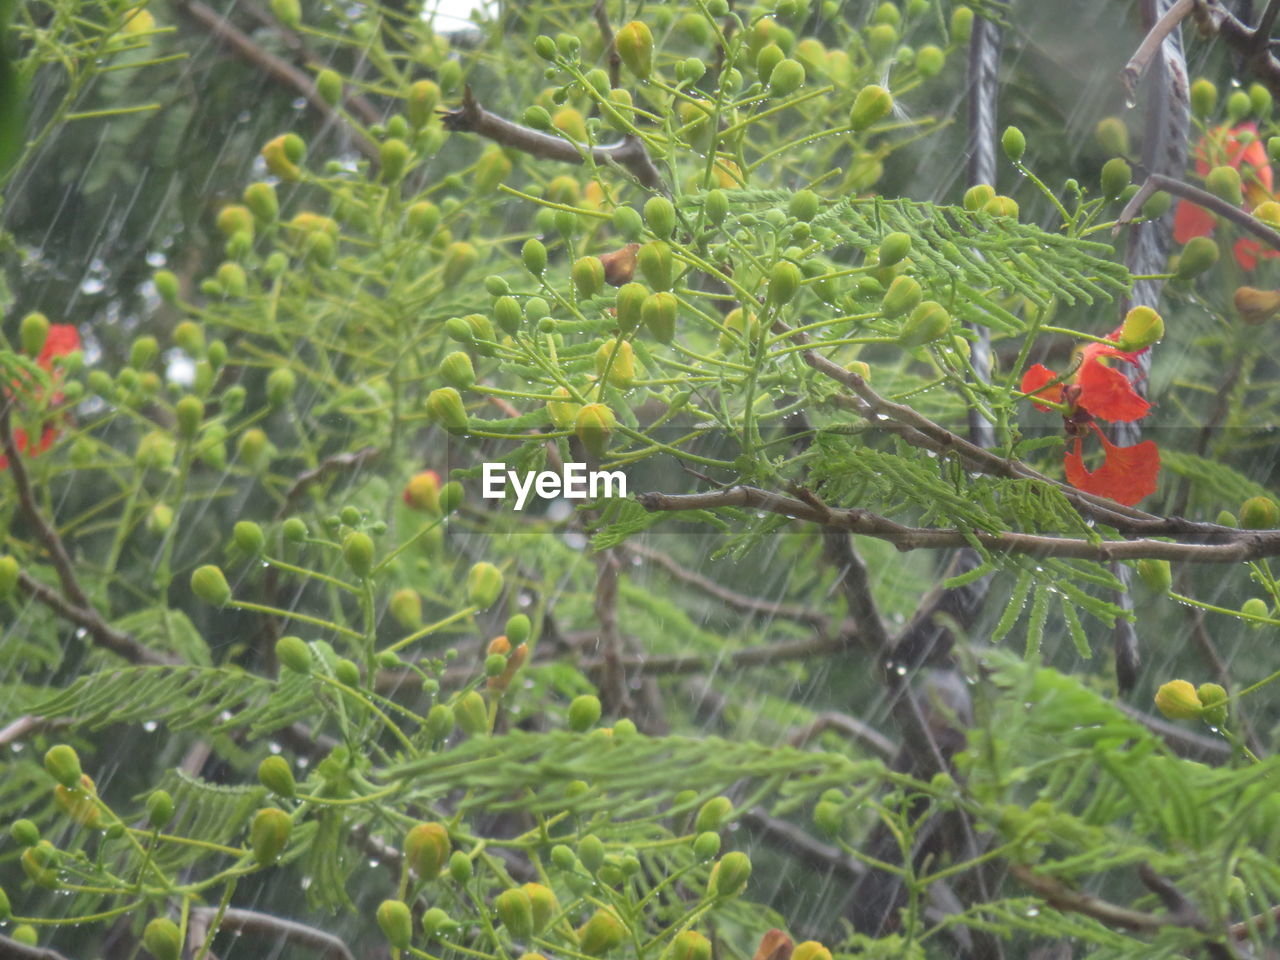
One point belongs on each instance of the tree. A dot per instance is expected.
(857, 664)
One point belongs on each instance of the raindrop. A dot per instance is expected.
(156, 259)
(150, 726)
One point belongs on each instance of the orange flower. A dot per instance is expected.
(61, 340)
(1098, 390)
(1238, 147)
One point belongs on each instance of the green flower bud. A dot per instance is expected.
(591, 852)
(810, 950)
(394, 157)
(594, 427)
(1224, 182)
(786, 78)
(1116, 175)
(770, 56)
(903, 295)
(159, 809)
(1112, 136)
(24, 833)
(492, 168)
(658, 311)
(534, 256)
(601, 933)
(706, 845)
(930, 60)
(294, 654)
(882, 40)
(1013, 143)
(166, 282)
(426, 849)
(6, 909)
(1157, 205)
(714, 814)
(716, 205)
(507, 314)
(459, 259)
(655, 263)
(1213, 697)
(563, 413)
(588, 276)
(446, 407)
(1001, 206)
(288, 12)
(894, 249)
(1260, 101)
(346, 672)
(784, 282)
(439, 722)
(961, 24)
(472, 714)
(1177, 700)
(248, 538)
(584, 713)
(1156, 574)
(730, 875)
(634, 43)
(329, 86)
(872, 103)
(39, 863)
(545, 905)
(9, 572)
(1141, 328)
(269, 834)
(456, 370)
(163, 939)
(829, 817)
(25, 933)
(484, 585)
(405, 606)
(515, 910)
(629, 305)
(660, 216)
(281, 382)
(357, 550)
(690, 945)
(928, 322)
(274, 774)
(1238, 106)
(396, 922)
(1259, 513)
(977, 196)
(616, 360)
(461, 868)
(33, 332)
(209, 584)
(1256, 609)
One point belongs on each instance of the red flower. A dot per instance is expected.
(62, 339)
(1098, 390)
(1226, 147)
(1126, 476)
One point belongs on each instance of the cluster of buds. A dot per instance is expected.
(1180, 700)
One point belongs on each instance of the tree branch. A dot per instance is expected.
(1201, 198)
(629, 153)
(13, 950)
(1240, 546)
(1141, 59)
(264, 924)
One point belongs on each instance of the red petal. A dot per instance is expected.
(1191, 221)
(63, 338)
(1034, 380)
(1126, 476)
(1246, 253)
(1105, 391)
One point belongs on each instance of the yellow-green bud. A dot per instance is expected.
(394, 157)
(634, 43)
(1116, 175)
(420, 105)
(9, 571)
(930, 59)
(1014, 143)
(1177, 700)
(39, 863)
(660, 216)
(872, 103)
(785, 78)
(655, 263)
(357, 550)
(446, 407)
(588, 276)
(346, 672)
(928, 322)
(515, 910)
(329, 86)
(534, 256)
(459, 259)
(894, 249)
(275, 774)
(563, 413)
(1213, 697)
(690, 945)
(1260, 101)
(730, 875)
(33, 332)
(25, 934)
(405, 606)
(1112, 136)
(903, 296)
(810, 950)
(1199, 254)
(493, 167)
(784, 282)
(439, 721)
(472, 714)
(616, 360)
(63, 764)
(594, 427)
(584, 713)
(1001, 206)
(294, 654)
(1224, 182)
(396, 922)
(281, 382)
(977, 196)
(426, 849)
(601, 933)
(6, 909)
(717, 206)
(209, 584)
(713, 814)
(1259, 513)
(1141, 328)
(484, 585)
(461, 869)
(456, 370)
(248, 537)
(268, 834)
(167, 286)
(1156, 574)
(159, 808)
(658, 311)
(24, 833)
(629, 305)
(163, 939)
(288, 12)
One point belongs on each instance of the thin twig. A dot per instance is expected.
(280, 70)
(1253, 45)
(847, 726)
(1141, 59)
(629, 153)
(13, 950)
(1203, 198)
(613, 58)
(339, 462)
(279, 929)
(1061, 897)
(1242, 546)
(24, 726)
